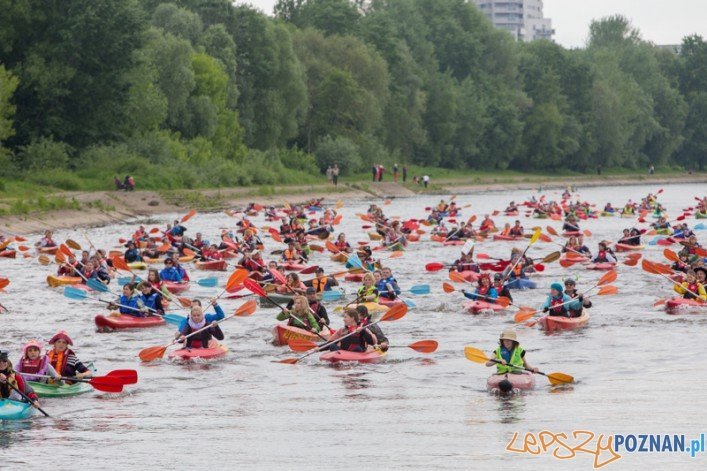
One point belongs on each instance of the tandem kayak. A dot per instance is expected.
(291, 266)
(217, 265)
(522, 381)
(553, 323)
(672, 306)
(600, 266)
(204, 353)
(278, 298)
(477, 307)
(64, 390)
(15, 410)
(521, 283)
(376, 356)
(470, 275)
(619, 247)
(116, 321)
(283, 333)
(61, 280)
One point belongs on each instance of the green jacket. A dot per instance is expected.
(310, 323)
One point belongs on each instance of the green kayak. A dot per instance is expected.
(66, 390)
(700, 215)
(281, 299)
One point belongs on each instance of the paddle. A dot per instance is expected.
(422, 346)
(501, 300)
(26, 398)
(153, 353)
(478, 356)
(609, 277)
(188, 216)
(336, 295)
(101, 383)
(393, 314)
(536, 236)
(73, 244)
(664, 271)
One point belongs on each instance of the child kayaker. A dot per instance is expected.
(63, 359)
(149, 300)
(34, 362)
(484, 290)
(605, 254)
(197, 320)
(127, 303)
(362, 340)
(510, 357)
(388, 285)
(501, 289)
(558, 303)
(691, 288)
(368, 292)
(8, 377)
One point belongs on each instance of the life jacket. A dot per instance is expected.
(516, 231)
(601, 257)
(518, 270)
(38, 366)
(353, 342)
(290, 255)
(130, 302)
(59, 360)
(252, 265)
(150, 301)
(320, 284)
(558, 307)
(297, 323)
(482, 290)
(513, 366)
(342, 245)
(506, 231)
(694, 287)
(365, 292)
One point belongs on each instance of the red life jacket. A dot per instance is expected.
(350, 343)
(601, 256)
(38, 366)
(691, 287)
(482, 290)
(556, 308)
(516, 231)
(342, 245)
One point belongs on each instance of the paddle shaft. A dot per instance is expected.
(329, 343)
(697, 296)
(63, 378)
(27, 398)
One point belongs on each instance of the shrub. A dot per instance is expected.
(340, 151)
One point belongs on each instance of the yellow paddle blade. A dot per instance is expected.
(448, 288)
(475, 355)
(560, 378)
(152, 353)
(536, 236)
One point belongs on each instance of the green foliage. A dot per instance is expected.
(340, 151)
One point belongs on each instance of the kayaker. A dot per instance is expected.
(197, 311)
(342, 245)
(517, 230)
(321, 282)
(46, 241)
(571, 291)
(506, 231)
(252, 261)
(127, 303)
(170, 273)
(63, 359)
(501, 289)
(293, 285)
(368, 292)
(512, 207)
(466, 263)
(94, 270)
(509, 355)
(487, 225)
(605, 255)
(388, 285)
(149, 300)
(132, 254)
(291, 254)
(177, 229)
(34, 362)
(300, 315)
(515, 270)
(178, 266)
(198, 242)
(691, 288)
(195, 322)
(211, 252)
(558, 303)
(608, 208)
(153, 277)
(362, 339)
(661, 223)
(701, 275)
(9, 377)
(570, 224)
(484, 290)
(251, 241)
(629, 208)
(382, 341)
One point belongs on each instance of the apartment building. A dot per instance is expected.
(522, 18)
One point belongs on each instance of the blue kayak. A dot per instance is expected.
(521, 283)
(14, 410)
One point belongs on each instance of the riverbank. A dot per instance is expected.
(97, 208)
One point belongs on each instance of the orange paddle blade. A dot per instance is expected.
(448, 288)
(670, 255)
(503, 301)
(331, 246)
(700, 252)
(608, 290)
(523, 315)
(396, 254)
(120, 264)
(631, 262)
(545, 238)
(609, 277)
(60, 257)
(301, 345)
(4, 282)
(456, 277)
(247, 308)
(152, 353)
(189, 215)
(164, 247)
(551, 230)
(288, 361)
(337, 219)
(185, 302)
(394, 313)
(236, 278)
(19, 239)
(424, 346)
(660, 302)
(566, 263)
(63, 248)
(189, 252)
(23, 248)
(44, 260)
(587, 232)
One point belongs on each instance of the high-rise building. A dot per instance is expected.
(522, 18)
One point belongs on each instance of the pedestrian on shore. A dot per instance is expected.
(426, 180)
(381, 169)
(651, 170)
(405, 173)
(329, 175)
(395, 173)
(335, 175)
(118, 184)
(374, 171)
(129, 184)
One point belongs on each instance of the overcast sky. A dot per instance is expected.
(660, 21)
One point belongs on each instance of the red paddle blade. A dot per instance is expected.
(278, 276)
(105, 384)
(566, 263)
(670, 255)
(189, 215)
(252, 286)
(448, 288)
(484, 256)
(247, 308)
(631, 262)
(434, 266)
(424, 346)
(700, 252)
(394, 313)
(152, 353)
(539, 267)
(301, 345)
(154, 230)
(125, 376)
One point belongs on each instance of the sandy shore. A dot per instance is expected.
(110, 207)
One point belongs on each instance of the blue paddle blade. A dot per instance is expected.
(127, 279)
(420, 289)
(700, 227)
(331, 295)
(354, 261)
(655, 240)
(174, 319)
(208, 282)
(74, 293)
(408, 303)
(96, 285)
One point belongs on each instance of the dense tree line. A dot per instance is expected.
(195, 92)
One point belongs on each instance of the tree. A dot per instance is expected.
(8, 85)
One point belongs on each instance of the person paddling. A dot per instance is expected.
(196, 321)
(691, 288)
(484, 291)
(368, 292)
(362, 340)
(63, 359)
(605, 255)
(571, 291)
(560, 304)
(9, 378)
(149, 300)
(127, 303)
(387, 286)
(501, 289)
(34, 362)
(300, 315)
(321, 282)
(510, 358)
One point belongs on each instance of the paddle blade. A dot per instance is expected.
(535, 237)
(236, 278)
(279, 277)
(475, 355)
(523, 315)
(331, 247)
(545, 238)
(125, 376)
(74, 293)
(566, 263)
(289, 361)
(301, 345)
(456, 277)
(189, 252)
(551, 230)
(670, 255)
(424, 346)
(420, 289)
(184, 302)
(247, 308)
(503, 301)
(120, 263)
(252, 286)
(609, 277)
(329, 296)
(73, 244)
(105, 384)
(44, 260)
(63, 248)
(152, 353)
(551, 257)
(608, 290)
(208, 282)
(394, 313)
(560, 378)
(700, 252)
(189, 215)
(448, 288)
(96, 285)
(631, 262)
(539, 267)
(396, 254)
(660, 302)
(434, 266)
(4, 282)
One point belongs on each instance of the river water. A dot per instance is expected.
(638, 371)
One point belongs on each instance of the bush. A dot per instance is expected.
(43, 153)
(62, 179)
(340, 151)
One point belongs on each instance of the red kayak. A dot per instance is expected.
(354, 277)
(477, 307)
(627, 247)
(216, 351)
(291, 266)
(282, 333)
(454, 242)
(601, 266)
(571, 233)
(507, 237)
(8, 253)
(553, 323)
(176, 288)
(375, 356)
(117, 321)
(673, 306)
(522, 381)
(217, 265)
(575, 258)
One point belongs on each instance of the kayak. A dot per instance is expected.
(663, 231)
(606, 214)
(477, 307)
(279, 298)
(339, 257)
(217, 351)
(116, 321)
(511, 213)
(522, 381)
(454, 242)
(293, 266)
(601, 266)
(373, 308)
(413, 237)
(571, 233)
(521, 283)
(672, 306)
(375, 236)
(61, 280)
(572, 257)
(619, 247)
(376, 356)
(398, 246)
(283, 333)
(354, 277)
(553, 323)
(48, 250)
(700, 215)
(539, 216)
(64, 390)
(470, 275)
(8, 253)
(218, 265)
(182, 259)
(627, 215)
(138, 265)
(15, 410)
(507, 237)
(383, 301)
(174, 287)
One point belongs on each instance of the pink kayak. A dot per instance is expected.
(673, 306)
(293, 266)
(470, 275)
(477, 307)
(116, 321)
(375, 356)
(627, 247)
(571, 233)
(389, 302)
(507, 237)
(176, 288)
(217, 265)
(601, 266)
(575, 258)
(523, 381)
(204, 353)
(553, 323)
